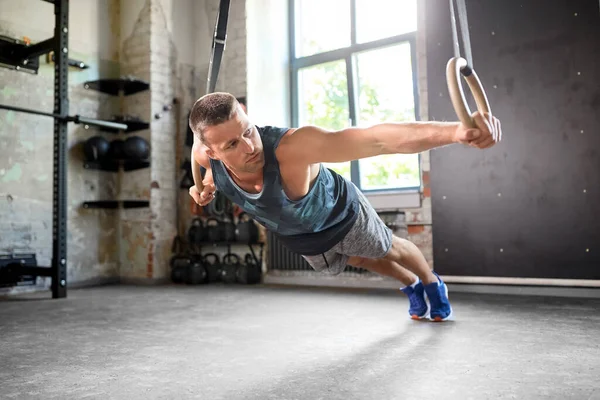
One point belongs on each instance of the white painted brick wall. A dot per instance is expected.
(232, 76)
(134, 229)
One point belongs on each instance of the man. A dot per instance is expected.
(276, 175)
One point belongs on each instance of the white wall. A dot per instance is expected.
(267, 66)
(190, 29)
(89, 23)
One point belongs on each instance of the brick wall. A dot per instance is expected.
(165, 87)
(154, 52)
(134, 230)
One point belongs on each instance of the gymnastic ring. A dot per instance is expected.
(458, 66)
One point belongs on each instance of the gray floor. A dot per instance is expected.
(216, 342)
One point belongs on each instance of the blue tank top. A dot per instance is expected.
(309, 226)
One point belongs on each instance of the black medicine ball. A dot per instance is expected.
(136, 148)
(95, 148)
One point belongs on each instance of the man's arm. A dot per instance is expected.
(203, 190)
(196, 172)
(198, 156)
(313, 145)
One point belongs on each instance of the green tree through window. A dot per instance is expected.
(325, 104)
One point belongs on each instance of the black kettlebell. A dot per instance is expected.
(179, 267)
(196, 272)
(136, 148)
(212, 263)
(229, 230)
(214, 230)
(196, 233)
(250, 272)
(115, 152)
(246, 230)
(229, 267)
(96, 148)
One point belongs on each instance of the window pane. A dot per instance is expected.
(385, 89)
(377, 19)
(323, 100)
(321, 26)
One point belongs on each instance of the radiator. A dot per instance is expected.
(282, 259)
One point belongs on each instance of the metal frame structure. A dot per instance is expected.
(346, 54)
(22, 58)
(61, 107)
(60, 45)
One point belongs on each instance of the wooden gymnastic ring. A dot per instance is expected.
(458, 66)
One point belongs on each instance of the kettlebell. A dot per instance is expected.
(229, 267)
(212, 263)
(246, 230)
(214, 232)
(249, 272)
(229, 230)
(196, 233)
(196, 272)
(179, 267)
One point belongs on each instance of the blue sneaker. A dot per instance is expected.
(437, 293)
(416, 296)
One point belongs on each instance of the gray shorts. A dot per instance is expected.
(369, 237)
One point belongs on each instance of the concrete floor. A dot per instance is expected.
(217, 342)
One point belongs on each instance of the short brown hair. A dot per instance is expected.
(210, 110)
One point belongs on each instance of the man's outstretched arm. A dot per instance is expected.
(312, 144)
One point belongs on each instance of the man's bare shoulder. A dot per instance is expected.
(285, 149)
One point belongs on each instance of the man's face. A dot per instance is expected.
(236, 143)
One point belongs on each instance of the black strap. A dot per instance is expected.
(461, 10)
(218, 46)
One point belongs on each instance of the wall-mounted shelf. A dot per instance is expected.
(226, 243)
(115, 86)
(114, 204)
(133, 124)
(17, 54)
(114, 166)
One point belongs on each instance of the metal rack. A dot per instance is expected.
(21, 56)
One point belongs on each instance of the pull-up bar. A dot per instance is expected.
(76, 119)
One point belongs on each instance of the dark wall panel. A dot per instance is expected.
(530, 206)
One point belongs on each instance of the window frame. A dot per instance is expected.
(346, 54)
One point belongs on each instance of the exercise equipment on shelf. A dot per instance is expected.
(246, 230)
(136, 148)
(116, 153)
(196, 232)
(196, 271)
(96, 148)
(228, 229)
(229, 267)
(212, 263)
(214, 231)
(249, 272)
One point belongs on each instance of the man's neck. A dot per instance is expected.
(246, 180)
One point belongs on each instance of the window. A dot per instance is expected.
(354, 65)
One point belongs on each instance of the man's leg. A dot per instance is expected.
(385, 267)
(405, 255)
(413, 287)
